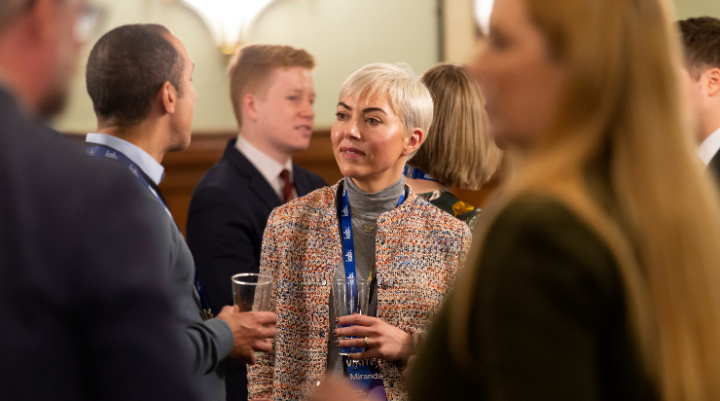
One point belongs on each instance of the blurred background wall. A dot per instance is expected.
(343, 35)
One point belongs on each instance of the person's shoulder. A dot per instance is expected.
(418, 211)
(543, 228)
(223, 185)
(310, 176)
(222, 176)
(78, 198)
(539, 212)
(51, 163)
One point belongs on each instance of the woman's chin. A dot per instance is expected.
(354, 176)
(351, 172)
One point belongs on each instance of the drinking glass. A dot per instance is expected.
(342, 289)
(251, 293)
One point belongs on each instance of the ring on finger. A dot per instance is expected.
(367, 342)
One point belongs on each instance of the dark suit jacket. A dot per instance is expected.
(548, 318)
(227, 218)
(83, 301)
(714, 167)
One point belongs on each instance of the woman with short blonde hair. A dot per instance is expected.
(597, 275)
(458, 150)
(408, 250)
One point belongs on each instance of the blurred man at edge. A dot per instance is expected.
(701, 39)
(84, 308)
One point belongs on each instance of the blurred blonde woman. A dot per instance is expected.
(597, 277)
(370, 224)
(458, 150)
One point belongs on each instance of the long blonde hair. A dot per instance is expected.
(620, 122)
(458, 149)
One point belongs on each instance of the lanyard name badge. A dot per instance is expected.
(106, 152)
(365, 375)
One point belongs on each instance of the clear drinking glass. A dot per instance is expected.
(342, 289)
(251, 293)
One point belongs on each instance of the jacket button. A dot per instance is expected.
(322, 334)
(324, 282)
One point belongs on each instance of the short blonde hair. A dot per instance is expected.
(409, 98)
(251, 66)
(458, 149)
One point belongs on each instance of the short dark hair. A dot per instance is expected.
(701, 39)
(126, 69)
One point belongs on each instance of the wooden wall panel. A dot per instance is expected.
(183, 170)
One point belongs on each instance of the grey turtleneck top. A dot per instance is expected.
(366, 208)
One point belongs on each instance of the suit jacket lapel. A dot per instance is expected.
(258, 184)
(714, 164)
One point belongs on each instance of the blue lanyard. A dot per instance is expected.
(414, 172)
(349, 246)
(107, 152)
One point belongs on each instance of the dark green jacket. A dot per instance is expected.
(548, 318)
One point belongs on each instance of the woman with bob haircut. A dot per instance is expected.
(596, 275)
(458, 149)
(409, 249)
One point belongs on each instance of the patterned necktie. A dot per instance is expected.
(288, 187)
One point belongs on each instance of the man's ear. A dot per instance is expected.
(415, 139)
(713, 82)
(167, 98)
(249, 106)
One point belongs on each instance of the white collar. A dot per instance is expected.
(147, 163)
(710, 146)
(268, 167)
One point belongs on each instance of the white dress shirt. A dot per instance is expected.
(267, 166)
(709, 147)
(141, 158)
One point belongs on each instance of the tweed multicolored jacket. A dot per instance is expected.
(419, 249)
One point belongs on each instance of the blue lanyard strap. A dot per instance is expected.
(349, 246)
(106, 152)
(414, 172)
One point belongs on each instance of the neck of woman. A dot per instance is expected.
(377, 182)
(372, 205)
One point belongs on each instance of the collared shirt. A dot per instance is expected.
(709, 147)
(267, 166)
(141, 158)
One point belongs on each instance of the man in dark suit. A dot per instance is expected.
(84, 309)
(701, 39)
(272, 93)
(140, 80)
